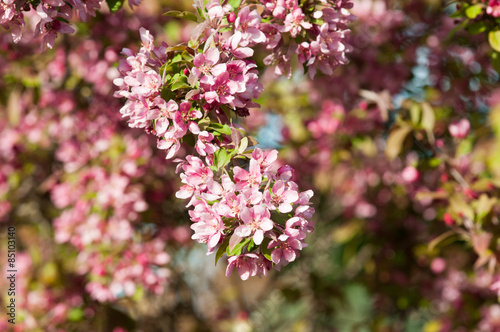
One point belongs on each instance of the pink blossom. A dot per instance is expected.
(247, 24)
(245, 178)
(216, 10)
(294, 22)
(285, 250)
(203, 145)
(256, 221)
(493, 8)
(281, 197)
(204, 62)
(410, 174)
(7, 11)
(246, 265)
(459, 129)
(222, 90)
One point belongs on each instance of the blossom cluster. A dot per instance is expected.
(218, 79)
(258, 217)
(319, 35)
(101, 209)
(316, 32)
(493, 8)
(185, 93)
(51, 17)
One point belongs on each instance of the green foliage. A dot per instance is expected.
(114, 5)
(182, 15)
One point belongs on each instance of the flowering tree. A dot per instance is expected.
(386, 182)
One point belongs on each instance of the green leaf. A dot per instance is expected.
(484, 206)
(440, 239)
(223, 129)
(251, 246)
(476, 28)
(75, 314)
(395, 141)
(458, 27)
(243, 145)
(185, 15)
(495, 61)
(494, 40)
(220, 158)
(222, 249)
(180, 85)
(204, 123)
(428, 121)
(465, 147)
(264, 250)
(473, 11)
(167, 94)
(459, 206)
(415, 113)
(114, 5)
(234, 3)
(189, 139)
(238, 248)
(175, 48)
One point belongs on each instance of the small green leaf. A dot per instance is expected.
(476, 28)
(175, 48)
(223, 129)
(220, 157)
(114, 5)
(459, 206)
(440, 239)
(264, 250)
(415, 113)
(204, 123)
(75, 314)
(243, 145)
(222, 249)
(180, 85)
(185, 15)
(495, 61)
(167, 94)
(238, 248)
(235, 239)
(494, 40)
(484, 206)
(234, 3)
(189, 139)
(251, 246)
(473, 11)
(428, 121)
(395, 141)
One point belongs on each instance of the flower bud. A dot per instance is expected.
(285, 173)
(448, 220)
